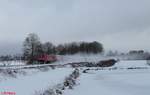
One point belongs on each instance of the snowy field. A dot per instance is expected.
(97, 81)
(29, 85)
(82, 58)
(115, 82)
(127, 82)
(131, 63)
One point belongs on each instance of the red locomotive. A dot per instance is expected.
(45, 58)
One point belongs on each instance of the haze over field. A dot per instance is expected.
(118, 24)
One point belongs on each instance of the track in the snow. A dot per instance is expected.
(30, 66)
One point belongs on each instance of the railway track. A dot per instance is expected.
(30, 66)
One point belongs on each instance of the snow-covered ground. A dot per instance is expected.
(127, 82)
(104, 81)
(131, 63)
(9, 63)
(81, 58)
(29, 85)
(115, 82)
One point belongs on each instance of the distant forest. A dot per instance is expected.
(32, 47)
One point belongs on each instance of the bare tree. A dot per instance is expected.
(31, 47)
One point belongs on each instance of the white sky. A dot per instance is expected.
(118, 24)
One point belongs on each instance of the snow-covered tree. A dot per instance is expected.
(49, 48)
(32, 47)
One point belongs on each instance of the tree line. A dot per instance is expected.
(17, 57)
(80, 47)
(32, 47)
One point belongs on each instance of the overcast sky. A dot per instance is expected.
(118, 24)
